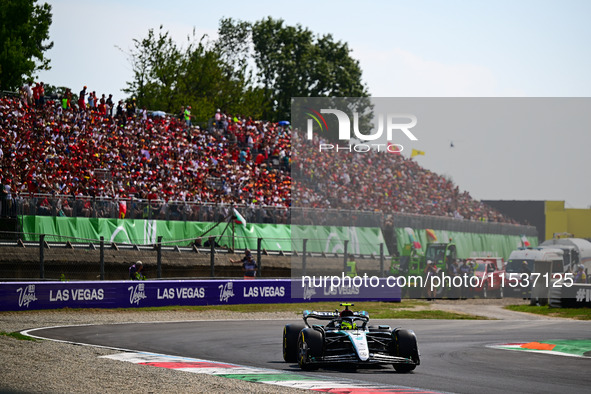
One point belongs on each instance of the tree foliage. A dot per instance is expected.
(252, 68)
(158, 65)
(291, 61)
(167, 77)
(24, 31)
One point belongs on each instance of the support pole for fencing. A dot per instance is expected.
(102, 257)
(159, 257)
(260, 270)
(382, 260)
(42, 256)
(345, 246)
(212, 256)
(304, 256)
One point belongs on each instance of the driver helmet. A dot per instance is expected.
(347, 325)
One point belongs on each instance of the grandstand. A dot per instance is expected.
(65, 161)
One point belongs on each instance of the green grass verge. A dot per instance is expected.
(570, 313)
(425, 314)
(17, 335)
(407, 309)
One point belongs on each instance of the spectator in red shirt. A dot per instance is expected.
(81, 98)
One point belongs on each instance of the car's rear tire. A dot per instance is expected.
(290, 342)
(405, 345)
(309, 346)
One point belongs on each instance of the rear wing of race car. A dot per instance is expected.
(362, 315)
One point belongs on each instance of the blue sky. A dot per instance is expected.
(407, 48)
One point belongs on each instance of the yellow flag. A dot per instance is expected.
(417, 153)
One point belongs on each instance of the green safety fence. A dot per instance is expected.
(468, 244)
(276, 237)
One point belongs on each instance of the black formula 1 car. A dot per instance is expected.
(348, 339)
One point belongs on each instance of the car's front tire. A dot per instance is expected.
(405, 345)
(290, 342)
(309, 346)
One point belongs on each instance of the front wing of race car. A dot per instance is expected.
(352, 359)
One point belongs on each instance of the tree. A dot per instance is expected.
(24, 30)
(293, 62)
(235, 50)
(252, 68)
(157, 63)
(167, 77)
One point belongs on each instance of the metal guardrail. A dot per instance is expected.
(68, 258)
(84, 259)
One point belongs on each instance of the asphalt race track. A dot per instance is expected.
(454, 356)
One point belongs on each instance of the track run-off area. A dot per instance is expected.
(461, 356)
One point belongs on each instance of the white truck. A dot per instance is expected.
(531, 255)
(546, 266)
(576, 251)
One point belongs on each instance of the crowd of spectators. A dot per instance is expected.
(92, 148)
(374, 180)
(64, 148)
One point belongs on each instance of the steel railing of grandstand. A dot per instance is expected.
(155, 209)
(105, 207)
(461, 225)
(335, 217)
